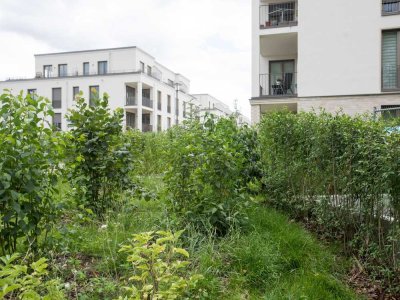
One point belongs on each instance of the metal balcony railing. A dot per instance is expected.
(147, 128)
(278, 15)
(147, 102)
(390, 7)
(278, 84)
(131, 101)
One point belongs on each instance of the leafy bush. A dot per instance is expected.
(29, 156)
(205, 176)
(159, 272)
(20, 281)
(342, 173)
(100, 162)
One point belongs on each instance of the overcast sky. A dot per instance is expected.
(206, 40)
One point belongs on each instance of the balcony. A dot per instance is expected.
(390, 7)
(278, 15)
(131, 101)
(278, 85)
(147, 102)
(147, 128)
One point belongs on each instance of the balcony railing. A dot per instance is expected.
(390, 7)
(147, 102)
(147, 128)
(278, 15)
(131, 101)
(278, 84)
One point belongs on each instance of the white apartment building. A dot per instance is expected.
(154, 97)
(211, 105)
(330, 54)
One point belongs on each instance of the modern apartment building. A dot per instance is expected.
(331, 54)
(154, 97)
(211, 105)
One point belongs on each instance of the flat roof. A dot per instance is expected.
(90, 50)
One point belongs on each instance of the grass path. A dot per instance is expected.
(272, 258)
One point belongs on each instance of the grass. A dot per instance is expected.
(273, 258)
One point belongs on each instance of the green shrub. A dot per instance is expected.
(29, 157)
(99, 161)
(158, 269)
(205, 176)
(20, 281)
(342, 173)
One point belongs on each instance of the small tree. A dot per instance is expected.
(99, 161)
(29, 156)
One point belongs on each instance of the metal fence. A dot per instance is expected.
(284, 84)
(387, 111)
(278, 14)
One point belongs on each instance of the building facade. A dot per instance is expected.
(154, 97)
(333, 54)
(211, 105)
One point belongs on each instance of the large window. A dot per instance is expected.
(142, 66)
(32, 93)
(159, 122)
(86, 68)
(47, 71)
(57, 121)
(390, 7)
(94, 93)
(149, 70)
(169, 104)
(75, 92)
(130, 96)
(102, 67)
(159, 100)
(390, 55)
(62, 70)
(56, 97)
(130, 120)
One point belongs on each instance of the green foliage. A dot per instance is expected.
(20, 281)
(341, 173)
(99, 160)
(159, 271)
(205, 176)
(29, 157)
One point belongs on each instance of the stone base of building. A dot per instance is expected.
(351, 105)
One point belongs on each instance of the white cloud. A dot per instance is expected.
(208, 41)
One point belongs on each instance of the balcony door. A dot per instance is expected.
(281, 79)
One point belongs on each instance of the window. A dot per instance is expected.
(168, 122)
(390, 7)
(149, 71)
(130, 120)
(169, 104)
(130, 96)
(159, 100)
(75, 92)
(56, 97)
(94, 94)
(86, 68)
(390, 54)
(62, 70)
(57, 121)
(142, 66)
(170, 82)
(184, 109)
(177, 107)
(102, 67)
(32, 93)
(47, 71)
(159, 122)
